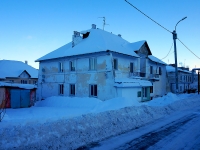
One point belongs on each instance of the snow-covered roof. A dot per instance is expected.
(12, 68)
(127, 82)
(137, 45)
(172, 69)
(155, 59)
(97, 41)
(23, 86)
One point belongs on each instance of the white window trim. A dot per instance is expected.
(71, 65)
(61, 66)
(93, 63)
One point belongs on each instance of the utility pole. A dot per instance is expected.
(175, 54)
(198, 82)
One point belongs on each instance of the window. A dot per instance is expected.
(23, 82)
(93, 63)
(144, 92)
(72, 65)
(131, 67)
(151, 89)
(115, 64)
(139, 94)
(160, 71)
(151, 69)
(61, 89)
(60, 67)
(93, 90)
(72, 89)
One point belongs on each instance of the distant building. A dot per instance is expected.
(17, 72)
(100, 64)
(185, 81)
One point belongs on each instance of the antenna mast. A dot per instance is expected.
(104, 22)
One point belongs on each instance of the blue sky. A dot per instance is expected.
(30, 29)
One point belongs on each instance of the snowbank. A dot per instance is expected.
(71, 133)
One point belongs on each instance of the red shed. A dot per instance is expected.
(14, 95)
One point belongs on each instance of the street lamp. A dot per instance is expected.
(175, 53)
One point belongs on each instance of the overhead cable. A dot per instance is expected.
(188, 48)
(147, 16)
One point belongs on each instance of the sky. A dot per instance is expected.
(29, 29)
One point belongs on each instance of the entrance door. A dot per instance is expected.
(25, 98)
(145, 93)
(19, 98)
(15, 98)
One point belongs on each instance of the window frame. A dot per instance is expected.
(61, 89)
(131, 67)
(72, 89)
(93, 63)
(60, 64)
(72, 65)
(93, 90)
(151, 70)
(115, 64)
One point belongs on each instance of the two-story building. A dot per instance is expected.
(185, 81)
(96, 64)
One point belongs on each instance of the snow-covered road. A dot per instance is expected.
(178, 131)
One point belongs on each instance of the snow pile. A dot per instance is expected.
(74, 132)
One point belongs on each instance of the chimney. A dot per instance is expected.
(76, 38)
(93, 26)
(119, 35)
(26, 62)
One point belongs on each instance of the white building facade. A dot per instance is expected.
(95, 64)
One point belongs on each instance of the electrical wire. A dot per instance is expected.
(168, 52)
(188, 48)
(147, 16)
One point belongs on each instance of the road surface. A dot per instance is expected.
(180, 130)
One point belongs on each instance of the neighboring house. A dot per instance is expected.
(17, 72)
(151, 68)
(185, 82)
(97, 64)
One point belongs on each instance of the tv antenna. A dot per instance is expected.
(104, 22)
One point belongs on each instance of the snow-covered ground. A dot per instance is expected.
(71, 122)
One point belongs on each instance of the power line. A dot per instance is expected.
(147, 16)
(168, 52)
(188, 48)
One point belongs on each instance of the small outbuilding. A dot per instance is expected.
(14, 95)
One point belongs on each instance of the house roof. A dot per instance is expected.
(172, 69)
(97, 41)
(155, 59)
(127, 82)
(137, 45)
(12, 68)
(22, 86)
